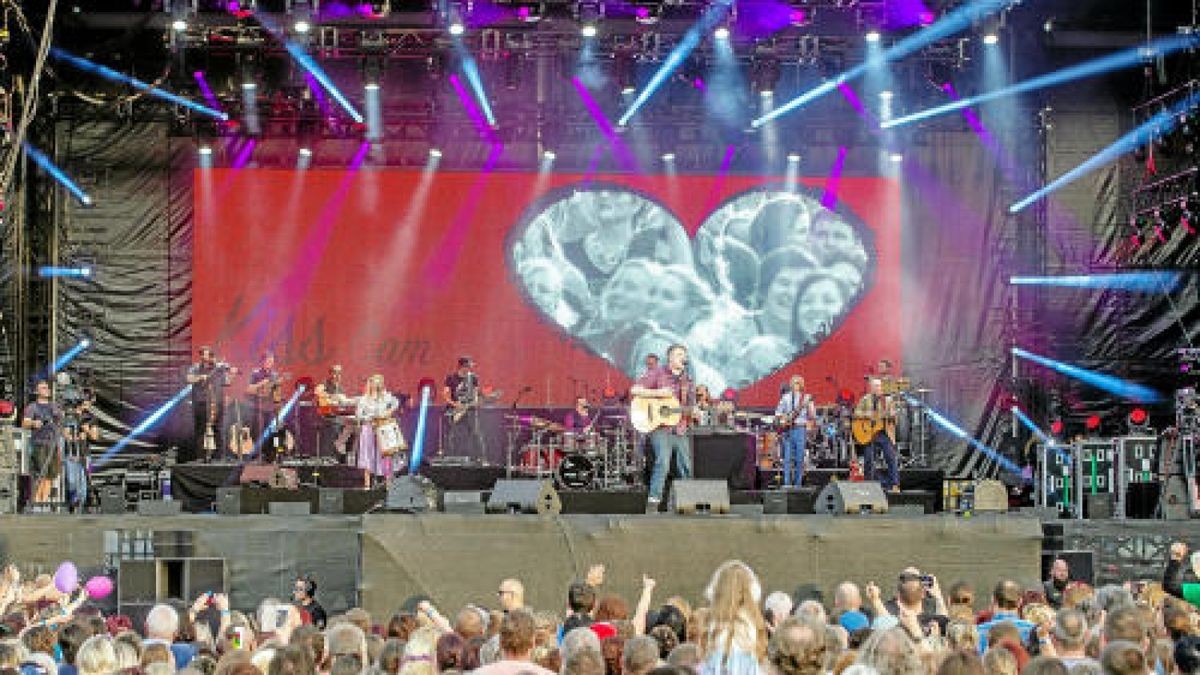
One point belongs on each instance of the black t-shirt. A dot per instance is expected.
(264, 400)
(462, 387)
(203, 391)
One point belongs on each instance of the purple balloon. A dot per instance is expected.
(99, 587)
(66, 578)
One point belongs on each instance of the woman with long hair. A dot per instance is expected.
(375, 405)
(734, 638)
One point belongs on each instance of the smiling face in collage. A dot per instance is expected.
(785, 269)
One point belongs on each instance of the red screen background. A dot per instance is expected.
(400, 272)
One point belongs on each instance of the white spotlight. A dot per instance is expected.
(549, 155)
(249, 85)
(886, 95)
(793, 158)
(305, 152)
(435, 153)
(896, 157)
(371, 86)
(991, 39)
(588, 30)
(179, 25)
(721, 33)
(301, 26)
(668, 157)
(873, 36)
(205, 150)
(457, 28)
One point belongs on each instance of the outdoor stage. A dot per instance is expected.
(380, 560)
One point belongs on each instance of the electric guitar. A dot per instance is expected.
(787, 421)
(647, 414)
(456, 413)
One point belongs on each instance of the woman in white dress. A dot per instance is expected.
(375, 403)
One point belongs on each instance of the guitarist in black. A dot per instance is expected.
(794, 412)
(669, 443)
(880, 409)
(462, 395)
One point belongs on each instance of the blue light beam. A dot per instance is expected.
(1136, 282)
(712, 16)
(279, 418)
(1042, 436)
(310, 64)
(1162, 123)
(1109, 383)
(1105, 64)
(57, 174)
(471, 71)
(958, 432)
(145, 425)
(414, 462)
(69, 356)
(112, 75)
(954, 22)
(52, 271)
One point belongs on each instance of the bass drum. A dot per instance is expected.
(575, 472)
(536, 458)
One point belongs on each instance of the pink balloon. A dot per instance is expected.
(66, 577)
(99, 587)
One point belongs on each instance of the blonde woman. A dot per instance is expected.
(375, 404)
(734, 637)
(97, 656)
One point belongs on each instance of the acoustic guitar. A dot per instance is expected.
(647, 414)
(864, 428)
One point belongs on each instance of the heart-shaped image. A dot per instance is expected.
(768, 276)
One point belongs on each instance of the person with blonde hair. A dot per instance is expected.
(420, 653)
(376, 405)
(96, 656)
(734, 638)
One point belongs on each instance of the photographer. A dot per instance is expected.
(79, 430)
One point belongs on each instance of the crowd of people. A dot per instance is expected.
(1061, 627)
(766, 277)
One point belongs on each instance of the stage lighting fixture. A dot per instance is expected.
(896, 157)
(457, 28)
(793, 157)
(886, 95)
(721, 33)
(179, 25)
(799, 17)
(531, 13)
(873, 36)
(306, 152)
(1138, 419)
(668, 157)
(1056, 427)
(301, 26)
(435, 153)
(991, 39)
(378, 9)
(588, 30)
(549, 155)
(646, 16)
(991, 30)
(205, 150)
(1092, 423)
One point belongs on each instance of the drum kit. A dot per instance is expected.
(601, 456)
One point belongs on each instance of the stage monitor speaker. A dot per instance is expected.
(289, 508)
(159, 507)
(700, 496)
(990, 496)
(460, 501)
(411, 494)
(229, 501)
(524, 496)
(780, 502)
(841, 498)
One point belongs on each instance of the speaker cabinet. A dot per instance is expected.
(780, 502)
(145, 582)
(457, 501)
(524, 496)
(112, 499)
(269, 475)
(331, 501)
(700, 496)
(841, 498)
(411, 494)
(289, 508)
(1174, 499)
(10, 492)
(229, 501)
(159, 507)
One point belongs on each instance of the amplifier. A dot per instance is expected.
(14, 449)
(10, 496)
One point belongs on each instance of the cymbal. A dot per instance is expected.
(923, 390)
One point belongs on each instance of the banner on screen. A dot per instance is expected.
(556, 285)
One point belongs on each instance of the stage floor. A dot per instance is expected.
(380, 560)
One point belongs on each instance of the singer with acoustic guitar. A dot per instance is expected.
(874, 427)
(660, 399)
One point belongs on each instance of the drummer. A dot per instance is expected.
(579, 419)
